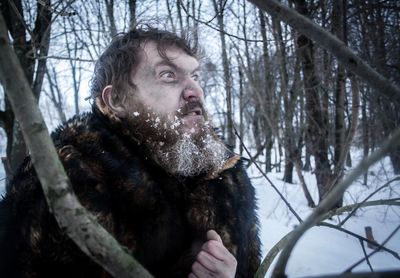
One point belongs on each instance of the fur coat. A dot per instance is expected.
(161, 219)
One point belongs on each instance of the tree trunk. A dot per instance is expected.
(110, 16)
(26, 50)
(230, 138)
(132, 13)
(340, 128)
(317, 133)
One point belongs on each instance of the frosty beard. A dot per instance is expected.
(177, 151)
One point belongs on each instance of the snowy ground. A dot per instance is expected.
(325, 250)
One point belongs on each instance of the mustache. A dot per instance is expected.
(191, 106)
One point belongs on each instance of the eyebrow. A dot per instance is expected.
(165, 62)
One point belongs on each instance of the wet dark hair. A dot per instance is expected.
(116, 64)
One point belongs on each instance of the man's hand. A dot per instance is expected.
(214, 260)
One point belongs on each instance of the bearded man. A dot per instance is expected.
(148, 164)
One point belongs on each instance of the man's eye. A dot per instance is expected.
(167, 76)
(196, 77)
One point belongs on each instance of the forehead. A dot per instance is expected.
(173, 55)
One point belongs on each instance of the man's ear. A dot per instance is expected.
(117, 108)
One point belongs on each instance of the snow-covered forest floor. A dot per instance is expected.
(324, 250)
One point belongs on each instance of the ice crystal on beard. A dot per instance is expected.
(136, 113)
(191, 159)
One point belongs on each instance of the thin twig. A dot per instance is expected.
(377, 245)
(366, 256)
(63, 58)
(369, 196)
(375, 251)
(385, 202)
(332, 198)
(207, 23)
(269, 258)
(265, 176)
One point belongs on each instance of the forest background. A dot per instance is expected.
(282, 101)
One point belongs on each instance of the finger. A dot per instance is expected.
(209, 262)
(216, 249)
(192, 275)
(200, 271)
(213, 235)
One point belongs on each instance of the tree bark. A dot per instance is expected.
(317, 131)
(230, 138)
(132, 14)
(340, 128)
(111, 19)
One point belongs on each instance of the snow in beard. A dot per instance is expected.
(185, 153)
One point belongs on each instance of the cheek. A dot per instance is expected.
(164, 100)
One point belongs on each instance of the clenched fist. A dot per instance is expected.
(214, 260)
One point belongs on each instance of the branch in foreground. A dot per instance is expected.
(269, 258)
(361, 238)
(331, 199)
(369, 196)
(375, 251)
(352, 208)
(332, 44)
(366, 256)
(383, 274)
(78, 223)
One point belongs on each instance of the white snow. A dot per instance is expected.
(324, 250)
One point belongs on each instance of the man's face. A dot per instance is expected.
(166, 113)
(169, 88)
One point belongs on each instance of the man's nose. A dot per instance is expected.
(192, 92)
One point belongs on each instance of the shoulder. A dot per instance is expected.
(77, 130)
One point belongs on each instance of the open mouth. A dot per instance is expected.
(195, 112)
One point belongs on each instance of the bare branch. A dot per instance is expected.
(332, 198)
(64, 58)
(269, 258)
(366, 256)
(207, 23)
(367, 198)
(332, 44)
(74, 219)
(378, 246)
(375, 251)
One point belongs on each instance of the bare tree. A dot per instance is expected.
(28, 44)
(219, 10)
